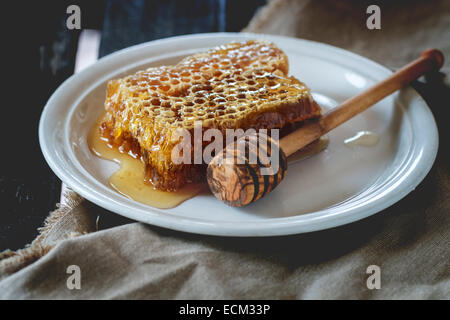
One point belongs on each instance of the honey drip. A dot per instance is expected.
(363, 138)
(129, 179)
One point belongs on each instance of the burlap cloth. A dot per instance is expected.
(409, 241)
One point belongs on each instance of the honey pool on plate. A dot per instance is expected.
(363, 138)
(129, 179)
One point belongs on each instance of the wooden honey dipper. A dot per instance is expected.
(241, 183)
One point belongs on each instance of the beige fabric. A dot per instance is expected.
(407, 26)
(409, 241)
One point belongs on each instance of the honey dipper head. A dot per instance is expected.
(246, 170)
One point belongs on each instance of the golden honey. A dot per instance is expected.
(129, 179)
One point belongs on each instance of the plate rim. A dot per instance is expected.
(278, 226)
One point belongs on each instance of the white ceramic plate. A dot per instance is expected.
(335, 187)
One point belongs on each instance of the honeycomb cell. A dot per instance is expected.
(166, 104)
(156, 102)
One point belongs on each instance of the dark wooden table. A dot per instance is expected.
(38, 54)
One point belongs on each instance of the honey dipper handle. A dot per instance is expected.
(431, 59)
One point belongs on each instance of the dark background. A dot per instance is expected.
(38, 54)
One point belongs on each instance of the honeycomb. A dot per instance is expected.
(238, 85)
